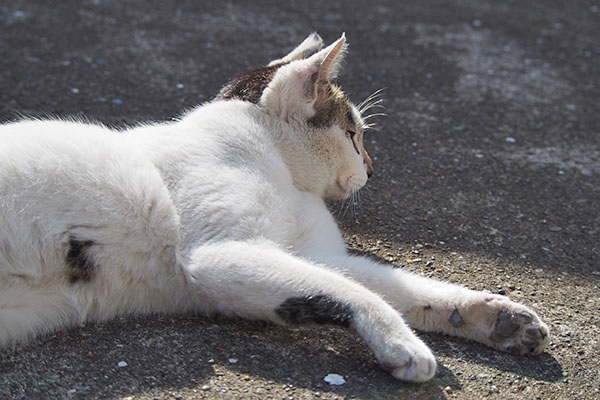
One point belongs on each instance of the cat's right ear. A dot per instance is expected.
(308, 47)
(295, 86)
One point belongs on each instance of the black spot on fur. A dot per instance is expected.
(250, 86)
(427, 307)
(318, 309)
(78, 261)
(455, 319)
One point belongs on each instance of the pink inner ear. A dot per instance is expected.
(329, 64)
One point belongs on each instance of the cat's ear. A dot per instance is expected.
(332, 59)
(308, 47)
(295, 86)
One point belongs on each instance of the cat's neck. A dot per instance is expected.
(243, 127)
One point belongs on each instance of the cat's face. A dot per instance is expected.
(324, 129)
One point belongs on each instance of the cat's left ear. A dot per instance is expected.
(295, 85)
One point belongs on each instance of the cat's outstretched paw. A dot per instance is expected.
(508, 326)
(411, 362)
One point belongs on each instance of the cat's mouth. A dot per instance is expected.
(346, 190)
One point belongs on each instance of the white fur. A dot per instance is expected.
(221, 211)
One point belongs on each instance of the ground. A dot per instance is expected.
(487, 171)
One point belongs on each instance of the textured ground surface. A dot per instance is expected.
(487, 174)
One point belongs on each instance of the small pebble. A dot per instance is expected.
(511, 140)
(448, 389)
(74, 90)
(117, 101)
(334, 379)
(494, 389)
(121, 364)
(205, 387)
(233, 361)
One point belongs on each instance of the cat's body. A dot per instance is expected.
(221, 211)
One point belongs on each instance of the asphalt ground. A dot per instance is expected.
(487, 171)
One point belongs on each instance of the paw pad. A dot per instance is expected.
(518, 333)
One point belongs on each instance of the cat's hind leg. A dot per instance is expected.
(260, 281)
(26, 312)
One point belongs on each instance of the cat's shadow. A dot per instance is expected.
(188, 352)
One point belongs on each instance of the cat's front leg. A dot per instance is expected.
(260, 281)
(487, 318)
(434, 306)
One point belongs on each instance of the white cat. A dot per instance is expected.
(222, 211)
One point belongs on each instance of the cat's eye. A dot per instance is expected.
(350, 135)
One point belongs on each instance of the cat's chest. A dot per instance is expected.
(217, 203)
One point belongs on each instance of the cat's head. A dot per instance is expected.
(322, 129)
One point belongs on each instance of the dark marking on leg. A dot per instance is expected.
(78, 261)
(427, 307)
(318, 309)
(455, 319)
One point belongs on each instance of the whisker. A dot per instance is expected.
(372, 98)
(356, 204)
(366, 117)
(369, 126)
(374, 104)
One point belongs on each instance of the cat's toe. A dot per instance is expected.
(414, 363)
(519, 332)
(418, 369)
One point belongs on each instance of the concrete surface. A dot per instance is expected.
(487, 174)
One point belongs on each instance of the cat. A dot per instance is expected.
(222, 211)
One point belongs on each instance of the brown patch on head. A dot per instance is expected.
(249, 86)
(331, 107)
